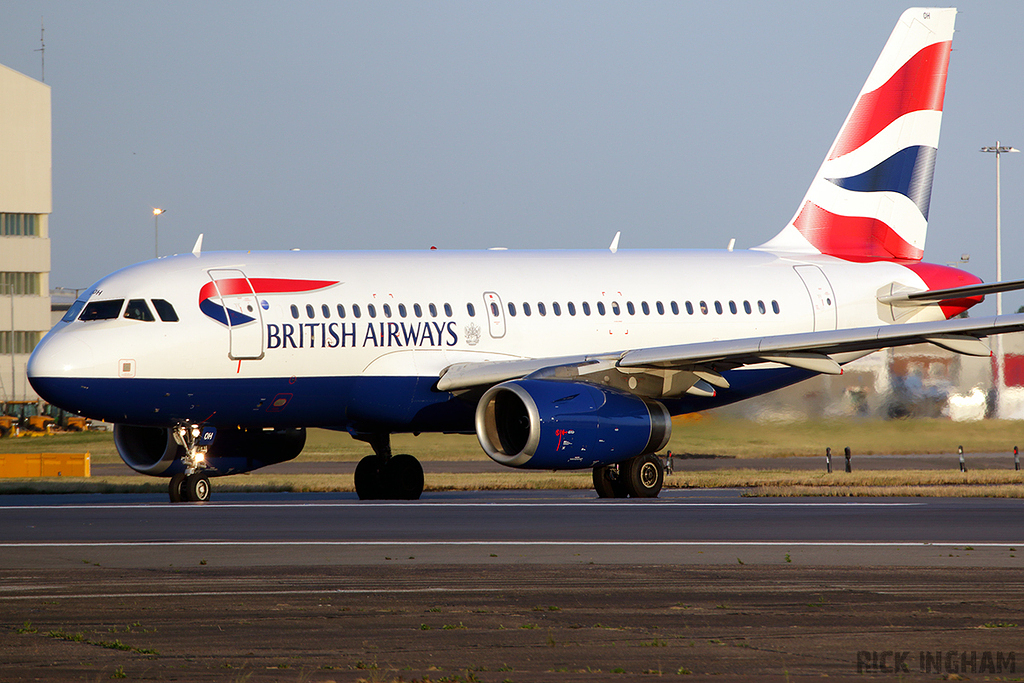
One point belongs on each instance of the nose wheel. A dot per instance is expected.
(193, 488)
(192, 485)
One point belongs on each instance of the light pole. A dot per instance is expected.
(156, 231)
(1000, 368)
(10, 289)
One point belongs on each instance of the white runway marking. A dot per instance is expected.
(323, 591)
(766, 544)
(605, 505)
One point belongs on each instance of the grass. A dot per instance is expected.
(697, 434)
(988, 483)
(724, 437)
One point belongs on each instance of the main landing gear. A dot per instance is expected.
(383, 476)
(192, 485)
(639, 477)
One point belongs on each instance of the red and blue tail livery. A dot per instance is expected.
(869, 200)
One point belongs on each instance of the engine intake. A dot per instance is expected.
(544, 424)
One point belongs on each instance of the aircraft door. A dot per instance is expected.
(495, 315)
(241, 313)
(823, 299)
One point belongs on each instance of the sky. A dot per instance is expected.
(466, 125)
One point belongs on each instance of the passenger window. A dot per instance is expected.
(541, 310)
(448, 310)
(703, 308)
(371, 310)
(165, 310)
(718, 307)
(556, 308)
(73, 312)
(295, 311)
(387, 311)
(746, 307)
(732, 307)
(355, 311)
(138, 310)
(470, 310)
(689, 308)
(572, 308)
(417, 310)
(433, 310)
(615, 308)
(775, 306)
(645, 308)
(511, 309)
(760, 307)
(629, 307)
(309, 311)
(402, 310)
(341, 311)
(495, 311)
(102, 310)
(586, 308)
(326, 310)
(600, 307)
(661, 308)
(526, 308)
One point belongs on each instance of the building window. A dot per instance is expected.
(19, 225)
(22, 283)
(24, 342)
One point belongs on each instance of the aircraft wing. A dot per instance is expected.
(807, 350)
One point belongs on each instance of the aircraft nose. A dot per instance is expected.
(55, 360)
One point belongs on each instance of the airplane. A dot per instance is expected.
(212, 364)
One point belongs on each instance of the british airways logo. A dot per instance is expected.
(218, 298)
(350, 335)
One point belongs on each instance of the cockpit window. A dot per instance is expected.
(102, 310)
(165, 310)
(138, 310)
(73, 312)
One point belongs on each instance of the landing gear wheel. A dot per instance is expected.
(643, 476)
(176, 488)
(197, 488)
(369, 483)
(402, 477)
(608, 482)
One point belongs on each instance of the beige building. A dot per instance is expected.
(26, 200)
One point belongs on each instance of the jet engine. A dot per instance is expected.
(153, 451)
(545, 424)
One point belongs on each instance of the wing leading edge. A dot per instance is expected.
(695, 368)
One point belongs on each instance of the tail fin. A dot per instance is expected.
(869, 200)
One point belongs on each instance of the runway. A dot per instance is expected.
(506, 586)
(548, 527)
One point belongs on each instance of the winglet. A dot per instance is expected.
(614, 247)
(196, 250)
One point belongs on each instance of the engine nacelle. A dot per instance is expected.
(545, 424)
(153, 451)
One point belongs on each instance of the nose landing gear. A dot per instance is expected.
(192, 485)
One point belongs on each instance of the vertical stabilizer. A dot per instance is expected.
(869, 200)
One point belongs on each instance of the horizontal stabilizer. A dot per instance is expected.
(935, 296)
